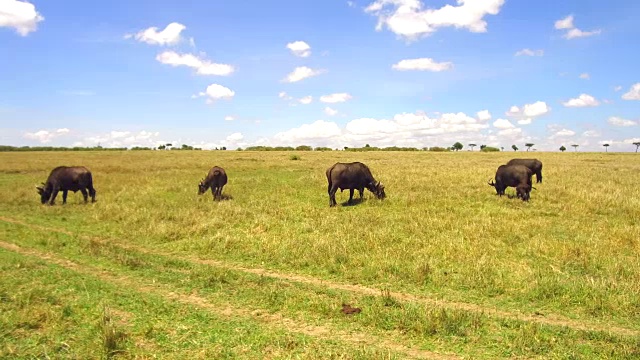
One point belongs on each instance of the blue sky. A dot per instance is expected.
(323, 73)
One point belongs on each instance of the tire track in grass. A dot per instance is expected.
(548, 319)
(327, 333)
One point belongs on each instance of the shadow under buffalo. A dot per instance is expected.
(353, 202)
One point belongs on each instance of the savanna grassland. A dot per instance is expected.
(442, 268)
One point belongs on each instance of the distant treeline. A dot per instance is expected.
(483, 148)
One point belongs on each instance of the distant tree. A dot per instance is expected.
(501, 148)
(458, 146)
(162, 147)
(575, 146)
(367, 145)
(472, 146)
(515, 148)
(482, 147)
(637, 144)
(489, 149)
(529, 145)
(346, 148)
(562, 148)
(304, 148)
(224, 148)
(606, 147)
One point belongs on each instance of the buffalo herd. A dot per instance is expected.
(516, 173)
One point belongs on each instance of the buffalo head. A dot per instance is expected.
(44, 193)
(202, 187)
(378, 190)
(523, 191)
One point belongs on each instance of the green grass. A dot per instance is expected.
(571, 255)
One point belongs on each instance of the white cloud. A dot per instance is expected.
(216, 92)
(351, 4)
(584, 100)
(45, 136)
(585, 76)
(299, 48)
(300, 73)
(235, 137)
(529, 52)
(319, 130)
(335, 98)
(572, 31)
(422, 64)
(169, 36)
(408, 19)
(617, 88)
(633, 93)
(528, 112)
(617, 121)
(329, 111)
(591, 133)
(229, 118)
(562, 133)
(503, 124)
(484, 115)
(203, 67)
(283, 95)
(19, 15)
(306, 100)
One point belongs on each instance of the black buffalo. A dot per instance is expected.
(355, 175)
(534, 164)
(517, 176)
(216, 180)
(67, 178)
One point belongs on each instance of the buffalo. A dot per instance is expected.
(67, 178)
(518, 176)
(355, 175)
(534, 164)
(216, 180)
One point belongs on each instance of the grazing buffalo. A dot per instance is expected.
(517, 176)
(534, 164)
(216, 179)
(355, 175)
(65, 178)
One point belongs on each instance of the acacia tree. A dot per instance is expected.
(529, 145)
(606, 147)
(575, 146)
(457, 146)
(637, 144)
(501, 148)
(472, 146)
(562, 148)
(514, 147)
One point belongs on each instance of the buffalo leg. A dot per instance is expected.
(361, 191)
(64, 196)
(92, 193)
(332, 196)
(539, 177)
(84, 195)
(54, 193)
(213, 192)
(350, 195)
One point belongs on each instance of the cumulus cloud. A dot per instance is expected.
(585, 76)
(215, 92)
(45, 136)
(618, 121)
(299, 48)
(422, 64)
(591, 133)
(319, 130)
(503, 124)
(235, 137)
(562, 133)
(584, 100)
(409, 19)
(169, 36)
(284, 96)
(529, 52)
(301, 73)
(306, 100)
(202, 66)
(617, 88)
(573, 32)
(329, 111)
(335, 98)
(229, 118)
(483, 115)
(633, 93)
(528, 112)
(22, 16)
